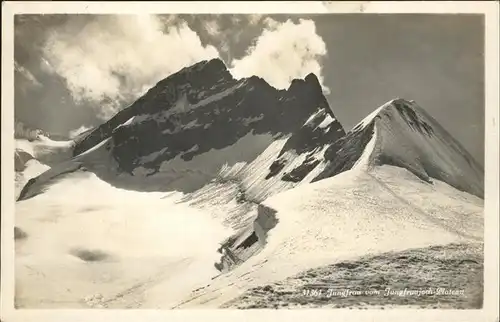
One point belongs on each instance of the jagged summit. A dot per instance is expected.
(216, 66)
(194, 85)
(311, 80)
(213, 64)
(203, 108)
(212, 68)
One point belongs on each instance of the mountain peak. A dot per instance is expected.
(211, 65)
(398, 101)
(413, 115)
(202, 108)
(213, 62)
(312, 79)
(406, 136)
(217, 62)
(205, 71)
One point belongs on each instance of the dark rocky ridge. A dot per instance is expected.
(203, 107)
(309, 139)
(344, 152)
(162, 96)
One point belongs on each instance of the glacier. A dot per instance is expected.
(208, 186)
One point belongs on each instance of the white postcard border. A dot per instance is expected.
(491, 270)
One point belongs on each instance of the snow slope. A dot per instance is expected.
(89, 244)
(134, 214)
(383, 281)
(347, 216)
(46, 150)
(35, 156)
(31, 169)
(367, 207)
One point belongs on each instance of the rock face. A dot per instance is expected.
(203, 108)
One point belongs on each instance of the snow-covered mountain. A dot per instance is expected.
(388, 188)
(35, 152)
(407, 137)
(202, 110)
(269, 178)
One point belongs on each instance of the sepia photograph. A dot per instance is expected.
(177, 161)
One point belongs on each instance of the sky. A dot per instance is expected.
(75, 71)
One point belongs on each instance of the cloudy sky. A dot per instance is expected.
(75, 71)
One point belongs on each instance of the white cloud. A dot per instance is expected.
(270, 23)
(282, 52)
(115, 58)
(74, 133)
